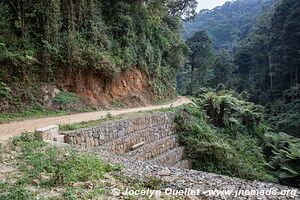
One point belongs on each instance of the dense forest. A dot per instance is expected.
(243, 68)
(260, 57)
(229, 23)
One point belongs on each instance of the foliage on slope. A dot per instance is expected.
(226, 134)
(284, 151)
(40, 167)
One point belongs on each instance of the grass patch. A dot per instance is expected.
(87, 124)
(15, 192)
(118, 104)
(8, 117)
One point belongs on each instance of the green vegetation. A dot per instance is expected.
(118, 104)
(228, 147)
(65, 98)
(47, 167)
(256, 47)
(226, 134)
(4, 90)
(285, 157)
(229, 23)
(200, 59)
(75, 126)
(268, 64)
(62, 166)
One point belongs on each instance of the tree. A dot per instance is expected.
(183, 8)
(200, 56)
(223, 67)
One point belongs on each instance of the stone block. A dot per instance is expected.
(136, 146)
(47, 133)
(60, 138)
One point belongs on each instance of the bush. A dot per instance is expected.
(16, 192)
(66, 98)
(226, 134)
(105, 36)
(285, 117)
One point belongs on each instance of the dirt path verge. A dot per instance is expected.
(14, 128)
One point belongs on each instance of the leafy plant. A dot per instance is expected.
(226, 110)
(16, 192)
(118, 104)
(284, 151)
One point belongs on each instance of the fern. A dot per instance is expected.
(285, 158)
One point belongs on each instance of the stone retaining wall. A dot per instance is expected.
(147, 137)
(154, 132)
(154, 149)
(124, 133)
(124, 144)
(169, 158)
(183, 164)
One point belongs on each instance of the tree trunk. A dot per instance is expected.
(296, 75)
(270, 69)
(192, 79)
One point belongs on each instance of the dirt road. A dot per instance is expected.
(14, 128)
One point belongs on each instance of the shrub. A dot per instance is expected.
(16, 192)
(65, 98)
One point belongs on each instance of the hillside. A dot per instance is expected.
(229, 23)
(71, 54)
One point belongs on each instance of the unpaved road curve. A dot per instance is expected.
(14, 128)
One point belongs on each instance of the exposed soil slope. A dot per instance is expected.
(131, 87)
